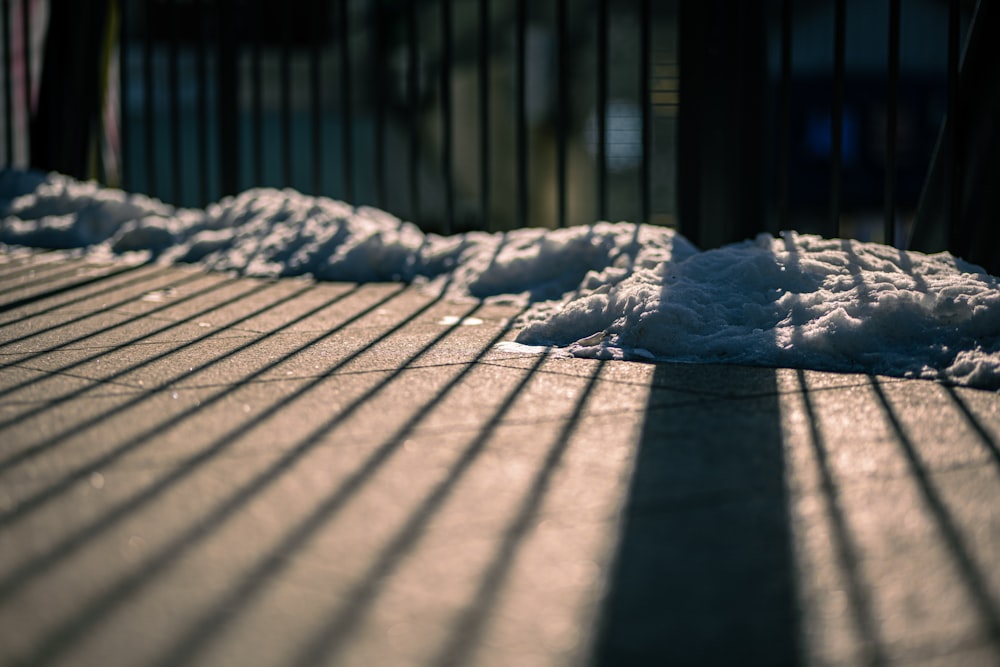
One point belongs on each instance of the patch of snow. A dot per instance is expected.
(606, 290)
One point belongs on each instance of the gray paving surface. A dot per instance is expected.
(202, 470)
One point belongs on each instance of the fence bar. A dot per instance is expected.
(837, 116)
(148, 105)
(785, 118)
(8, 90)
(602, 109)
(413, 88)
(227, 81)
(378, 76)
(562, 120)
(123, 89)
(446, 117)
(201, 64)
(346, 104)
(285, 83)
(315, 111)
(892, 111)
(521, 107)
(26, 46)
(645, 29)
(174, 107)
(256, 102)
(720, 120)
(484, 115)
(955, 233)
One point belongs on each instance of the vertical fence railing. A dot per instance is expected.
(173, 101)
(954, 127)
(784, 142)
(256, 92)
(413, 92)
(8, 86)
(521, 112)
(602, 110)
(447, 119)
(368, 108)
(891, 124)
(347, 100)
(201, 77)
(837, 117)
(27, 40)
(562, 116)
(244, 124)
(646, 110)
(125, 90)
(148, 107)
(285, 98)
(485, 128)
(378, 61)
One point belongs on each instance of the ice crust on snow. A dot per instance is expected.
(605, 290)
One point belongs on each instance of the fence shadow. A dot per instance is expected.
(704, 571)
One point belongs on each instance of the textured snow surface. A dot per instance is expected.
(603, 290)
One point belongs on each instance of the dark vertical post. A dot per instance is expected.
(413, 89)
(379, 77)
(484, 115)
(521, 107)
(446, 117)
(954, 127)
(960, 203)
(285, 87)
(173, 97)
(228, 120)
(645, 29)
(8, 92)
(721, 118)
(26, 44)
(149, 105)
(837, 117)
(783, 166)
(892, 110)
(124, 86)
(69, 103)
(562, 119)
(602, 109)
(256, 103)
(316, 9)
(346, 96)
(201, 64)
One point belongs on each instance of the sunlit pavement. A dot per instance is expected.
(197, 469)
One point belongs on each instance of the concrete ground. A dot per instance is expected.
(197, 469)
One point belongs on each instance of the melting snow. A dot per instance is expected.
(605, 290)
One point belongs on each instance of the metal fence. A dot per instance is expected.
(721, 118)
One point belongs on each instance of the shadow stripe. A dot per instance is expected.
(38, 565)
(56, 291)
(171, 324)
(152, 272)
(88, 315)
(254, 582)
(41, 498)
(469, 629)
(76, 628)
(333, 633)
(988, 441)
(975, 583)
(847, 550)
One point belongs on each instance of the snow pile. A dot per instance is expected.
(603, 290)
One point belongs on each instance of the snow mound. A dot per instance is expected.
(621, 291)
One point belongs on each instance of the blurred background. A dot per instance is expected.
(721, 118)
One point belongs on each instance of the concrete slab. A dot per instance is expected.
(202, 470)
